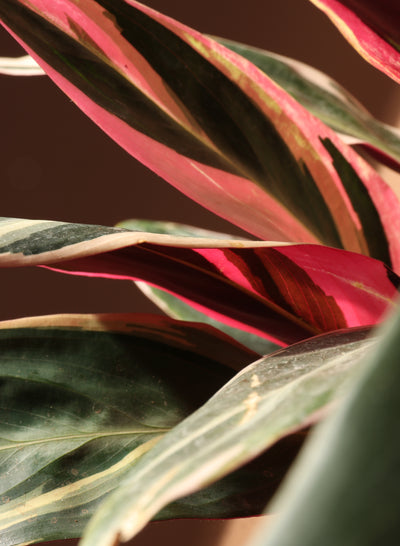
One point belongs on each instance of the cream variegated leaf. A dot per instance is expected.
(270, 398)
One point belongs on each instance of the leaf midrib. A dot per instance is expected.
(87, 436)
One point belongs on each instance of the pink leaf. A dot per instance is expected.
(284, 292)
(210, 123)
(371, 27)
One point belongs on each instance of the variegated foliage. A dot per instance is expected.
(284, 292)
(372, 28)
(150, 407)
(211, 123)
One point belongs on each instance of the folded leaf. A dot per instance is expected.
(172, 228)
(20, 66)
(83, 398)
(178, 309)
(327, 100)
(210, 123)
(271, 397)
(371, 28)
(280, 291)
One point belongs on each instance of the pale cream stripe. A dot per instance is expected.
(35, 507)
(88, 437)
(8, 226)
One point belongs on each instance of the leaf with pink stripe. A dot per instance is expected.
(211, 123)
(372, 28)
(283, 292)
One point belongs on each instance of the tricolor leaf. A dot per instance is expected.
(284, 292)
(83, 397)
(327, 100)
(175, 307)
(211, 123)
(276, 395)
(372, 28)
(318, 93)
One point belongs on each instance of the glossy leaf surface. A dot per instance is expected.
(372, 28)
(83, 397)
(280, 291)
(268, 399)
(345, 488)
(210, 123)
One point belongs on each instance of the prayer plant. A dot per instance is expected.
(199, 413)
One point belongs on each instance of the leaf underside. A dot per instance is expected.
(284, 293)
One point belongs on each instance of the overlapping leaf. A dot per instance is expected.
(327, 100)
(345, 488)
(268, 399)
(83, 398)
(372, 28)
(175, 307)
(210, 123)
(178, 309)
(280, 291)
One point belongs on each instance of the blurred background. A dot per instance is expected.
(56, 164)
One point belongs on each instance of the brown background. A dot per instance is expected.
(56, 164)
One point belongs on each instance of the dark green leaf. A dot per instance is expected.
(266, 401)
(82, 398)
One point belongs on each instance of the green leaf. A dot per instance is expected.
(327, 100)
(83, 397)
(345, 488)
(173, 228)
(244, 492)
(178, 309)
(267, 400)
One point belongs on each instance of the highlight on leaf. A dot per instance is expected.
(283, 292)
(124, 64)
(133, 417)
